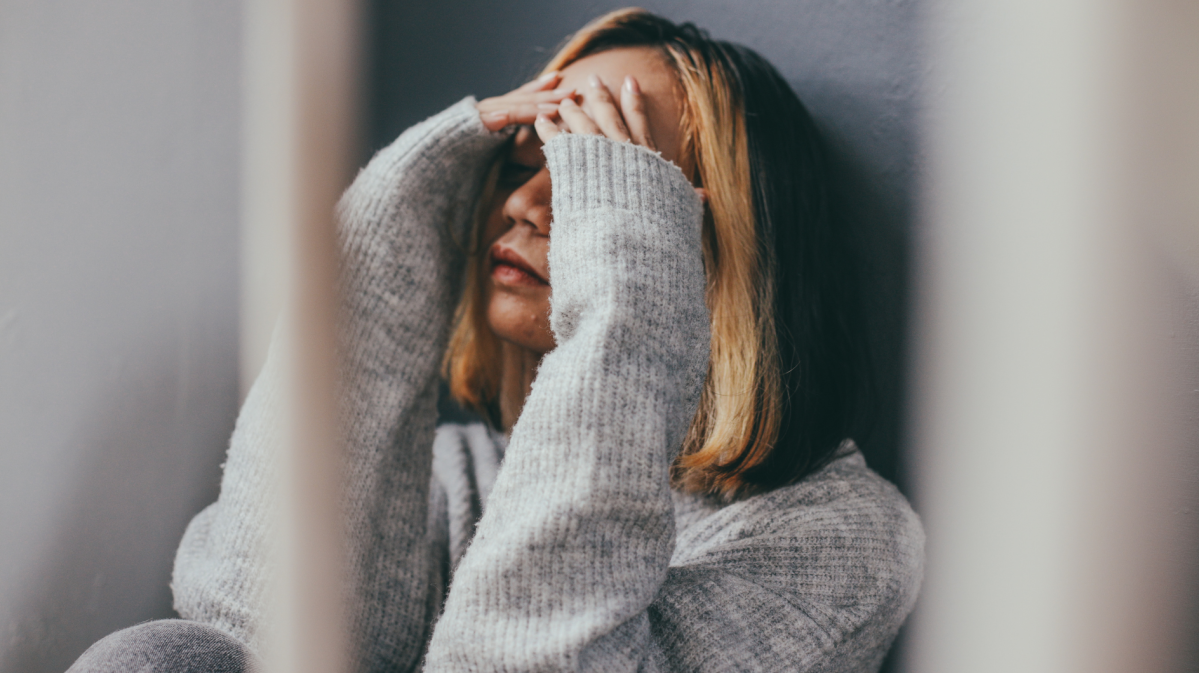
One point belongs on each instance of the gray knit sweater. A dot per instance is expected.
(575, 554)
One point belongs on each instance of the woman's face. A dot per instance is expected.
(516, 233)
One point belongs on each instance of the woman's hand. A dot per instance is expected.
(626, 123)
(522, 105)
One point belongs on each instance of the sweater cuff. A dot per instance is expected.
(462, 119)
(592, 172)
(438, 147)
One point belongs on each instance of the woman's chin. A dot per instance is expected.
(521, 320)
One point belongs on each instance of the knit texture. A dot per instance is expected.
(564, 547)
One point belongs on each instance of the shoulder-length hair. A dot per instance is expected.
(788, 373)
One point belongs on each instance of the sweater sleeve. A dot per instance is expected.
(401, 224)
(815, 577)
(577, 535)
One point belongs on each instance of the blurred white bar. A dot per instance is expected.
(268, 181)
(301, 64)
(1046, 427)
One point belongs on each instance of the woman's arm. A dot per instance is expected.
(817, 576)
(579, 529)
(400, 270)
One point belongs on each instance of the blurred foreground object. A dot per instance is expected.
(1056, 326)
(300, 94)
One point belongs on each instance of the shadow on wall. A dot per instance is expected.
(880, 218)
(154, 446)
(1183, 339)
(873, 214)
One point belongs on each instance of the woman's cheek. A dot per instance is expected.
(521, 319)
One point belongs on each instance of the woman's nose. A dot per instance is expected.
(530, 203)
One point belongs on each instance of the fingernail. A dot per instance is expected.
(548, 76)
(567, 101)
(594, 81)
(631, 85)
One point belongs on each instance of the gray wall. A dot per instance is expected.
(118, 306)
(857, 66)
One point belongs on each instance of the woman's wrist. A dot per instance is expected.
(592, 172)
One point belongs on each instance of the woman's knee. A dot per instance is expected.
(174, 645)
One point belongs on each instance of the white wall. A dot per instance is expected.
(118, 306)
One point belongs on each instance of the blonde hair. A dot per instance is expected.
(741, 406)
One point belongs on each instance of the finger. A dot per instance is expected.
(511, 100)
(554, 95)
(576, 120)
(527, 114)
(556, 118)
(632, 105)
(545, 81)
(550, 96)
(604, 112)
(546, 128)
(703, 195)
(494, 120)
(502, 111)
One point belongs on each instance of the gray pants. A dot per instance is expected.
(166, 645)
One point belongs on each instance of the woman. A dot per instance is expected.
(655, 334)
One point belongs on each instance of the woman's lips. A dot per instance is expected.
(509, 268)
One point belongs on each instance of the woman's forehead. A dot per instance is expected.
(655, 76)
(647, 64)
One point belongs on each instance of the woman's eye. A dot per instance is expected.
(513, 174)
